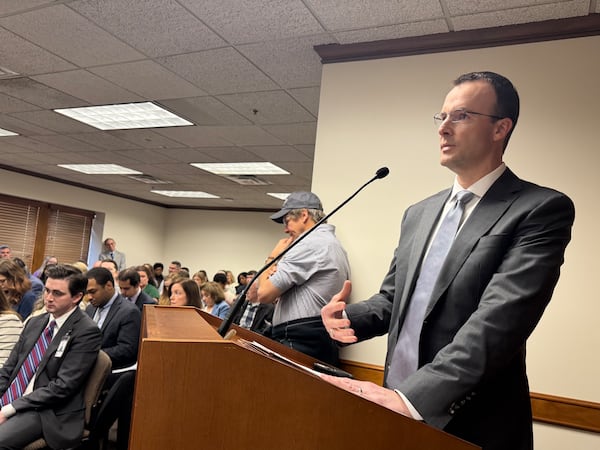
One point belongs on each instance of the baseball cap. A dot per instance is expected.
(297, 200)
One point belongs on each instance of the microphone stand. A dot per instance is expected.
(237, 305)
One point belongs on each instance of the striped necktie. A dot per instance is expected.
(30, 365)
(405, 359)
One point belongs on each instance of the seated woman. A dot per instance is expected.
(10, 328)
(17, 287)
(185, 292)
(214, 299)
(145, 285)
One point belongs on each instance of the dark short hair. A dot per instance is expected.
(220, 278)
(77, 280)
(507, 97)
(130, 274)
(157, 265)
(101, 275)
(111, 261)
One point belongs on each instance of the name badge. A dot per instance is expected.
(62, 345)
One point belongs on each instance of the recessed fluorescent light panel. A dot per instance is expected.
(279, 195)
(125, 116)
(100, 169)
(245, 168)
(184, 194)
(4, 132)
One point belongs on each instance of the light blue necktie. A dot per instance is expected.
(405, 359)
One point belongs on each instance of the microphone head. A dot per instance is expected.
(382, 173)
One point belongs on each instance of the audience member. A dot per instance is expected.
(158, 268)
(200, 277)
(112, 267)
(48, 261)
(81, 266)
(241, 279)
(255, 316)
(10, 328)
(17, 287)
(185, 292)
(147, 287)
(305, 278)
(36, 284)
(110, 252)
(174, 267)
(213, 297)
(221, 278)
(5, 252)
(118, 319)
(66, 344)
(129, 284)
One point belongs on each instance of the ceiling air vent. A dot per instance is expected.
(148, 179)
(5, 74)
(247, 180)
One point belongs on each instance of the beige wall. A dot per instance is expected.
(376, 113)
(209, 240)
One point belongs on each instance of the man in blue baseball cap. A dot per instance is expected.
(305, 278)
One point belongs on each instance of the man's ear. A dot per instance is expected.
(502, 128)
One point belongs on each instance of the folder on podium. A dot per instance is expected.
(196, 390)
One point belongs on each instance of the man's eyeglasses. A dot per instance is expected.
(459, 115)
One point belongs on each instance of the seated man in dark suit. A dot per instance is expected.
(256, 316)
(42, 382)
(119, 320)
(129, 284)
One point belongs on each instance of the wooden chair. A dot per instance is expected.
(92, 391)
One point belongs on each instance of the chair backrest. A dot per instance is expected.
(94, 383)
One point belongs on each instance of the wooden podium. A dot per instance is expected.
(195, 390)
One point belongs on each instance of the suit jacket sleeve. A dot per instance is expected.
(121, 336)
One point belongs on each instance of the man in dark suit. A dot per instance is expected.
(51, 406)
(256, 316)
(129, 284)
(118, 319)
(487, 295)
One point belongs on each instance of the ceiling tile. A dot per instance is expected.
(297, 133)
(231, 154)
(308, 97)
(90, 87)
(66, 143)
(242, 21)
(290, 62)
(38, 94)
(276, 153)
(57, 28)
(268, 107)
(53, 121)
(205, 111)
(187, 155)
(30, 144)
(521, 15)
(104, 140)
(146, 138)
(56, 158)
(20, 126)
(26, 58)
(13, 6)
(248, 135)
(195, 136)
(155, 27)
(393, 31)
(373, 13)
(10, 104)
(143, 155)
(223, 71)
(148, 79)
(462, 7)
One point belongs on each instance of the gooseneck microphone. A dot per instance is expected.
(237, 305)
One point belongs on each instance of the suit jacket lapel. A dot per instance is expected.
(66, 327)
(111, 312)
(490, 208)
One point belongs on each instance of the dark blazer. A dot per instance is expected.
(263, 318)
(144, 299)
(491, 292)
(58, 389)
(120, 332)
